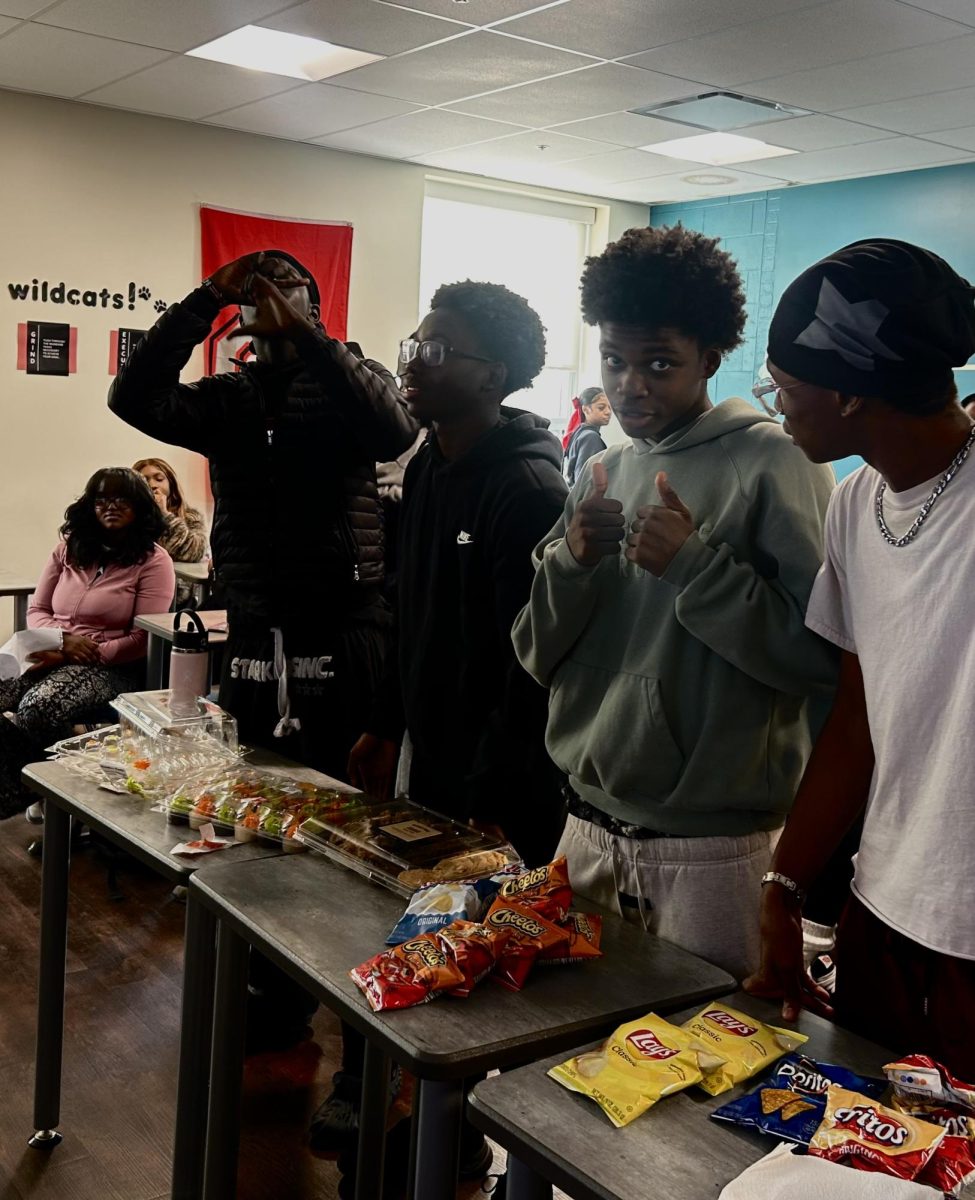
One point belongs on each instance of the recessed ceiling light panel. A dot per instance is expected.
(721, 111)
(717, 149)
(280, 53)
(709, 179)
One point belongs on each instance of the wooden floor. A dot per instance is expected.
(122, 1023)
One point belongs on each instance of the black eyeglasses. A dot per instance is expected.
(106, 502)
(432, 354)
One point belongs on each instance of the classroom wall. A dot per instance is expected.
(100, 198)
(777, 234)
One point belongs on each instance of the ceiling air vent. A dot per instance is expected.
(721, 111)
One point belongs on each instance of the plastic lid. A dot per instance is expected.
(192, 639)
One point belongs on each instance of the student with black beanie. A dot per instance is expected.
(861, 352)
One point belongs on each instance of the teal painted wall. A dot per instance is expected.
(775, 235)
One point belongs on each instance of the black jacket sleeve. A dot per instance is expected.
(147, 393)
(373, 410)
(586, 441)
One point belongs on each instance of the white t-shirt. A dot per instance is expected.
(908, 613)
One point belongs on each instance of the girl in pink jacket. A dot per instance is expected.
(104, 572)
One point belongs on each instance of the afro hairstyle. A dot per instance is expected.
(667, 277)
(507, 326)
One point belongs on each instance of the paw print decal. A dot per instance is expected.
(160, 306)
(144, 293)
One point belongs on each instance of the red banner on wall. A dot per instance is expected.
(324, 247)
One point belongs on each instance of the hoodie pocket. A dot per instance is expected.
(610, 731)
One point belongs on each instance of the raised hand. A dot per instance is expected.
(659, 530)
(234, 280)
(276, 316)
(598, 526)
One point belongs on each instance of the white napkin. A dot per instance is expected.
(783, 1175)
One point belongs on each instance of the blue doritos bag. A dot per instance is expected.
(790, 1101)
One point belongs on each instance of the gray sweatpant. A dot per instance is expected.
(700, 893)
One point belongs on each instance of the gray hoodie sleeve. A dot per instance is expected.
(752, 613)
(563, 596)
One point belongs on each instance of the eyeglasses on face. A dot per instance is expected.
(104, 503)
(431, 354)
(769, 393)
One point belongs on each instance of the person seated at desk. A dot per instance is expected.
(185, 538)
(106, 570)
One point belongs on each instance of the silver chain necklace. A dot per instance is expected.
(928, 504)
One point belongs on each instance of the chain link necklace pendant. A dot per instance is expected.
(928, 504)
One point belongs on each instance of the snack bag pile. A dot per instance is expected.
(790, 1102)
(527, 920)
(925, 1089)
(639, 1064)
(743, 1043)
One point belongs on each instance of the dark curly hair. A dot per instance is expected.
(85, 536)
(507, 326)
(662, 277)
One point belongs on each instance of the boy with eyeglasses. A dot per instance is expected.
(861, 351)
(476, 499)
(667, 612)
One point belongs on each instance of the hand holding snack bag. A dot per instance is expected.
(743, 1042)
(791, 1101)
(639, 1064)
(857, 1130)
(529, 933)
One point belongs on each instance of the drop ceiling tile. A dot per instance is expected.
(363, 25)
(663, 188)
(893, 76)
(481, 12)
(542, 150)
(427, 132)
(814, 133)
(957, 10)
(629, 26)
(627, 129)
(873, 158)
(169, 24)
(310, 111)
(619, 166)
(587, 93)
(963, 138)
(35, 58)
(815, 37)
(190, 88)
(21, 8)
(474, 62)
(942, 110)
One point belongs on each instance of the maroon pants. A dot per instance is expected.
(901, 994)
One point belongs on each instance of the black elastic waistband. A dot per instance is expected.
(577, 807)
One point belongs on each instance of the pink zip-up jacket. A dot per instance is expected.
(102, 604)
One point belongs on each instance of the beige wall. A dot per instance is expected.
(98, 197)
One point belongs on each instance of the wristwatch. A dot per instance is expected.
(790, 885)
(213, 290)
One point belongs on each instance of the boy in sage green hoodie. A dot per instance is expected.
(667, 612)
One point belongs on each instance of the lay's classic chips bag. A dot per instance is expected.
(639, 1064)
(743, 1042)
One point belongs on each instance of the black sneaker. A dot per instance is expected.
(476, 1157)
(334, 1128)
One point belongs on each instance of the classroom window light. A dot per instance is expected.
(717, 149)
(279, 53)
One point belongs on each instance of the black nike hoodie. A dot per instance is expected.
(476, 719)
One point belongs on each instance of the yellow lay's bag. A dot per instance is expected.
(639, 1064)
(743, 1043)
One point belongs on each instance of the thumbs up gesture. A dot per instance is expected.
(659, 530)
(598, 525)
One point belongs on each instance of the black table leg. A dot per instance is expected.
(155, 668)
(20, 612)
(196, 1028)
(414, 1140)
(524, 1184)
(50, 984)
(226, 1067)
(441, 1107)
(372, 1124)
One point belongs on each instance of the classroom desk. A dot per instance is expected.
(20, 589)
(128, 822)
(554, 1136)
(159, 626)
(316, 920)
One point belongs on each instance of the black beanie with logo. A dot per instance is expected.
(877, 318)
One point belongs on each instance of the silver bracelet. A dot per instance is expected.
(785, 881)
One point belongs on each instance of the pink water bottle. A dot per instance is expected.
(189, 664)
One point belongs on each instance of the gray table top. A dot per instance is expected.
(318, 920)
(15, 585)
(129, 822)
(673, 1151)
(161, 624)
(198, 572)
